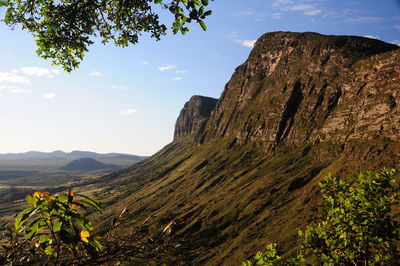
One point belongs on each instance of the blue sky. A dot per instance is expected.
(127, 99)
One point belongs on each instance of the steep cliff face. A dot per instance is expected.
(303, 105)
(193, 117)
(305, 87)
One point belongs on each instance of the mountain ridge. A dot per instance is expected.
(75, 153)
(303, 105)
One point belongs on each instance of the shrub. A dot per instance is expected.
(357, 226)
(54, 226)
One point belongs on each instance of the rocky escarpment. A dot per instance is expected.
(306, 87)
(303, 105)
(193, 117)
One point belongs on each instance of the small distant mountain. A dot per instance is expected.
(87, 164)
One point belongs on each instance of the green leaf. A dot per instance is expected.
(62, 198)
(84, 223)
(90, 202)
(204, 2)
(44, 238)
(157, 1)
(31, 200)
(50, 251)
(207, 13)
(96, 244)
(300, 233)
(203, 25)
(22, 216)
(57, 226)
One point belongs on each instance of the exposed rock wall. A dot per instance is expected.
(306, 87)
(193, 117)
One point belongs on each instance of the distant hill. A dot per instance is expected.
(35, 160)
(73, 154)
(87, 164)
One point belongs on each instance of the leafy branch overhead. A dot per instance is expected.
(65, 29)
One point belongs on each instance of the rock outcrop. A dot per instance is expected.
(193, 118)
(306, 87)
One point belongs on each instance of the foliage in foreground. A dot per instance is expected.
(55, 229)
(64, 29)
(357, 227)
(54, 226)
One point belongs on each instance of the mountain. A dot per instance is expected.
(73, 154)
(86, 164)
(245, 172)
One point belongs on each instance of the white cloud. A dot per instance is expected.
(145, 63)
(12, 89)
(8, 87)
(366, 19)
(96, 74)
(128, 111)
(246, 12)
(177, 78)
(50, 96)
(371, 37)
(397, 42)
(37, 71)
(19, 90)
(247, 43)
(119, 87)
(300, 7)
(313, 12)
(167, 67)
(180, 71)
(276, 15)
(397, 26)
(13, 78)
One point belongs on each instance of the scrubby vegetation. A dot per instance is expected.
(356, 226)
(56, 230)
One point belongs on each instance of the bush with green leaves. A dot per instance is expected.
(356, 227)
(55, 226)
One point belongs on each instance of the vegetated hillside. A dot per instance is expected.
(86, 164)
(303, 105)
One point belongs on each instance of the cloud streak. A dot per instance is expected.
(284, 6)
(37, 71)
(247, 43)
(371, 36)
(128, 111)
(50, 96)
(13, 78)
(365, 19)
(12, 89)
(167, 67)
(96, 74)
(119, 87)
